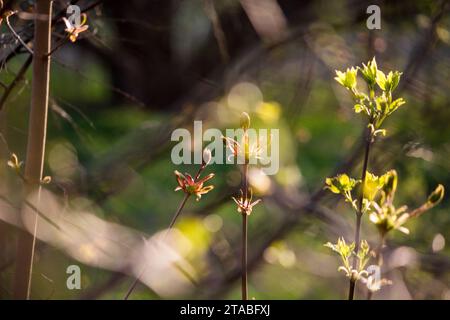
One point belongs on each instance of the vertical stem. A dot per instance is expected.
(244, 238)
(36, 141)
(244, 219)
(246, 163)
(351, 289)
(368, 137)
(244, 256)
(245, 181)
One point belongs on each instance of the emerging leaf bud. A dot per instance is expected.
(206, 156)
(390, 185)
(364, 245)
(245, 121)
(14, 162)
(46, 180)
(347, 78)
(436, 196)
(369, 72)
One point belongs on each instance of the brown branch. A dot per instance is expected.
(36, 141)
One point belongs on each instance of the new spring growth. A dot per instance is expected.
(244, 149)
(374, 184)
(346, 251)
(73, 30)
(14, 163)
(245, 205)
(436, 196)
(347, 78)
(344, 185)
(376, 106)
(206, 157)
(433, 199)
(46, 180)
(195, 185)
(247, 148)
(379, 194)
(385, 215)
(373, 282)
(244, 202)
(369, 72)
(245, 121)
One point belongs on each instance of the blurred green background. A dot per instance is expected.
(145, 68)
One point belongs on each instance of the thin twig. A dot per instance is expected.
(244, 256)
(16, 35)
(180, 208)
(59, 45)
(134, 284)
(245, 221)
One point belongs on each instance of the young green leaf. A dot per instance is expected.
(369, 72)
(347, 78)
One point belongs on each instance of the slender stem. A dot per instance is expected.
(16, 35)
(245, 181)
(178, 212)
(351, 290)
(246, 162)
(368, 137)
(202, 167)
(36, 142)
(134, 284)
(244, 257)
(58, 45)
(244, 220)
